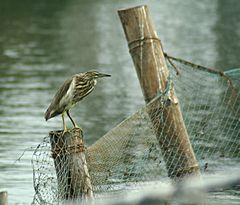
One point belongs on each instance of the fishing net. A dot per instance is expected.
(129, 155)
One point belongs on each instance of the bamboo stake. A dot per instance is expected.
(147, 55)
(73, 177)
(3, 198)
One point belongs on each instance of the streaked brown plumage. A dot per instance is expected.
(72, 91)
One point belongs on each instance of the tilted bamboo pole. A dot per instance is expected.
(147, 54)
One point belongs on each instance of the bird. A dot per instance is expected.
(72, 91)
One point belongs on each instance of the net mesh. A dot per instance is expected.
(129, 154)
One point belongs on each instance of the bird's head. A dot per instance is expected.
(95, 74)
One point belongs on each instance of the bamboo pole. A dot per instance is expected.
(147, 55)
(73, 177)
(3, 198)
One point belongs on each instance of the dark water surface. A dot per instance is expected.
(44, 42)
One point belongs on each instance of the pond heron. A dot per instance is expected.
(72, 91)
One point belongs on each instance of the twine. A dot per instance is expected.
(140, 42)
(67, 150)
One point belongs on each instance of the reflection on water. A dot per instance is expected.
(42, 43)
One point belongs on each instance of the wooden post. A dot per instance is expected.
(147, 54)
(3, 198)
(73, 177)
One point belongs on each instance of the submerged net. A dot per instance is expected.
(129, 155)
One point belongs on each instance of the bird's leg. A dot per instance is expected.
(73, 122)
(64, 124)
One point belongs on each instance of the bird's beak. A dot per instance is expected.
(101, 75)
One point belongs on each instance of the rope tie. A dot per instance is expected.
(67, 150)
(164, 95)
(139, 42)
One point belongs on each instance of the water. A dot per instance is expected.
(44, 42)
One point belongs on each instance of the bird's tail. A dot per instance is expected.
(50, 113)
(47, 115)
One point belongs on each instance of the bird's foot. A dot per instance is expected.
(77, 127)
(65, 131)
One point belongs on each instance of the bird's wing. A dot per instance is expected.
(62, 90)
(54, 109)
